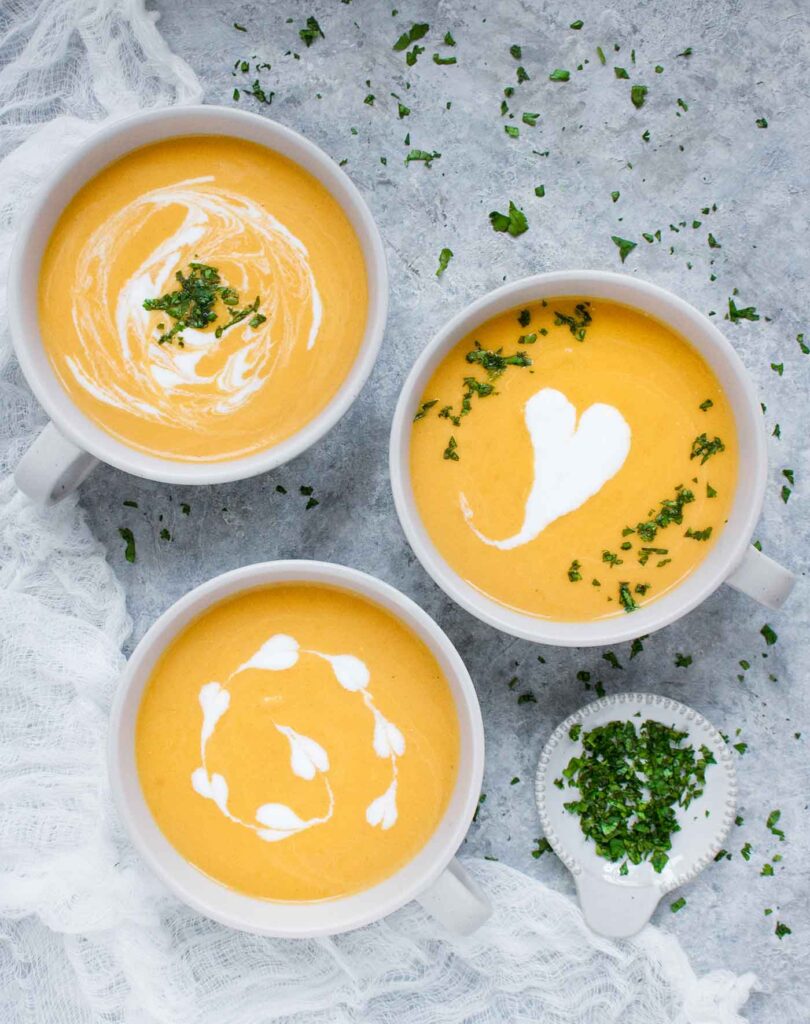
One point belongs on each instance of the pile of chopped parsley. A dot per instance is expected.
(192, 304)
(631, 783)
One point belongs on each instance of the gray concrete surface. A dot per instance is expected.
(748, 61)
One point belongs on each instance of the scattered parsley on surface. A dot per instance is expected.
(735, 314)
(310, 32)
(625, 246)
(415, 32)
(638, 95)
(423, 156)
(543, 846)
(444, 258)
(129, 540)
(514, 223)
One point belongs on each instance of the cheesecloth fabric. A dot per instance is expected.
(86, 934)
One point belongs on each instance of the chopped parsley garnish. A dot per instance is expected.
(620, 72)
(310, 32)
(574, 575)
(577, 25)
(705, 406)
(559, 75)
(746, 313)
(192, 304)
(494, 363)
(423, 409)
(576, 324)
(781, 930)
(630, 784)
(611, 558)
(543, 846)
(638, 95)
(540, 191)
(761, 122)
(514, 222)
(438, 59)
(769, 634)
(698, 534)
(444, 258)
(625, 246)
(422, 155)
(678, 904)
(683, 660)
(530, 119)
(129, 540)
(626, 599)
(516, 51)
(771, 823)
(417, 31)
(524, 317)
(703, 448)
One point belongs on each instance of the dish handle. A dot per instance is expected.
(763, 579)
(456, 900)
(615, 911)
(52, 468)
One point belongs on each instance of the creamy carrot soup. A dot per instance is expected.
(574, 460)
(297, 742)
(202, 298)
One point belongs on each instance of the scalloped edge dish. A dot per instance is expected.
(617, 905)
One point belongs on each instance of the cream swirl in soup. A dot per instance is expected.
(297, 742)
(276, 240)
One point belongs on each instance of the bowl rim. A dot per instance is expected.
(46, 207)
(714, 347)
(277, 918)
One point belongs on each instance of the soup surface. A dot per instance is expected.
(573, 460)
(297, 742)
(253, 339)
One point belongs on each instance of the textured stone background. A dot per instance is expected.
(749, 61)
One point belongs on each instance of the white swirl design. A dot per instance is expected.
(121, 362)
(308, 759)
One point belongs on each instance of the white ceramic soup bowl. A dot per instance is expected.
(731, 560)
(71, 445)
(433, 877)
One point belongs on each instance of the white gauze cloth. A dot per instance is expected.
(86, 934)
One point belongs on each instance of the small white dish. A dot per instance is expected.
(615, 905)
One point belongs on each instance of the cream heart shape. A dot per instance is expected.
(571, 462)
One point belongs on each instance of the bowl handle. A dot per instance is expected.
(456, 900)
(763, 579)
(615, 911)
(52, 468)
